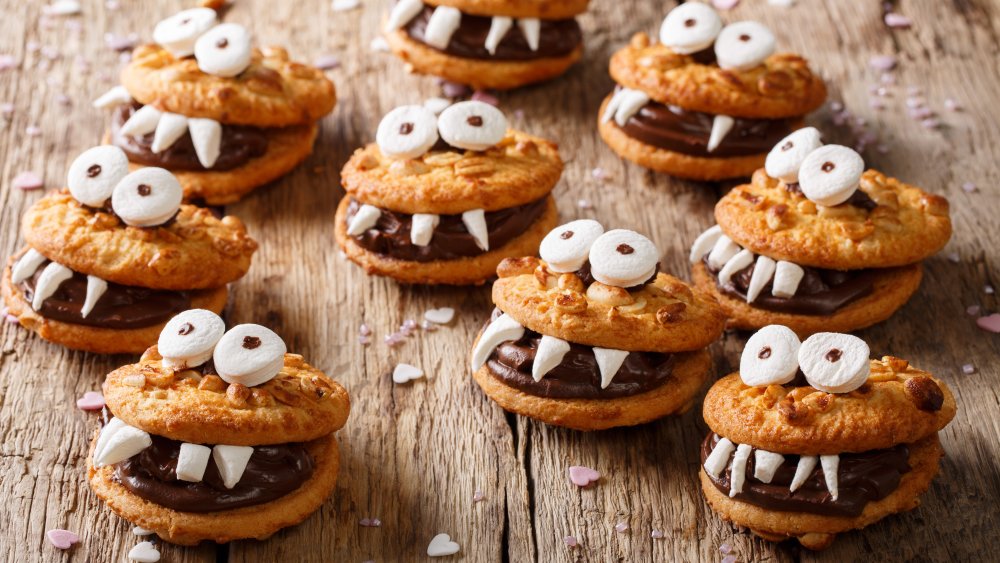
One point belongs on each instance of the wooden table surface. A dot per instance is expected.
(413, 455)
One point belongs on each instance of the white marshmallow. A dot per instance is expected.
(422, 227)
(192, 462)
(206, 136)
(249, 354)
(743, 45)
(475, 221)
(95, 289)
(472, 125)
(741, 260)
(48, 282)
(407, 132)
(144, 552)
(609, 361)
(142, 122)
(719, 458)
(830, 464)
(437, 105)
(364, 219)
(225, 50)
(834, 362)
(613, 104)
(122, 444)
(147, 197)
(690, 27)
(785, 159)
(27, 266)
(766, 464)
(114, 97)
(179, 32)
(763, 271)
(109, 430)
(770, 357)
(831, 174)
(786, 279)
(721, 126)
(189, 339)
(231, 462)
(403, 13)
(705, 242)
(532, 30)
(623, 258)
(503, 329)
(171, 127)
(722, 251)
(802, 471)
(499, 26)
(404, 373)
(93, 175)
(443, 24)
(550, 353)
(738, 470)
(567, 247)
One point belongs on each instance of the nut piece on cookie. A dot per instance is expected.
(708, 100)
(810, 439)
(487, 44)
(442, 199)
(224, 116)
(593, 335)
(112, 258)
(816, 243)
(242, 434)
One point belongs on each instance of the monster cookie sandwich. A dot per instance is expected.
(111, 259)
(593, 335)
(816, 243)
(222, 115)
(487, 43)
(813, 439)
(217, 435)
(708, 101)
(442, 200)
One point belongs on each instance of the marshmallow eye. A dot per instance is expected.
(834, 363)
(690, 27)
(147, 197)
(771, 357)
(743, 45)
(567, 247)
(249, 354)
(225, 50)
(785, 159)
(407, 132)
(179, 32)
(472, 125)
(831, 174)
(623, 258)
(189, 338)
(95, 173)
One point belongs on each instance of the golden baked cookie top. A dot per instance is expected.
(543, 9)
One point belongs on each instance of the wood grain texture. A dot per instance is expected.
(413, 455)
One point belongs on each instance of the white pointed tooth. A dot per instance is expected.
(499, 27)
(231, 461)
(830, 464)
(723, 250)
(609, 361)
(503, 329)
(192, 462)
(113, 97)
(719, 458)
(704, 243)
(632, 102)
(802, 471)
(532, 30)
(52, 277)
(403, 12)
(738, 471)
(766, 464)
(422, 228)
(741, 260)
(475, 222)
(364, 219)
(442, 25)
(113, 425)
(27, 266)
(763, 270)
(121, 445)
(613, 104)
(143, 121)
(550, 353)
(786, 279)
(171, 127)
(206, 135)
(95, 289)
(721, 126)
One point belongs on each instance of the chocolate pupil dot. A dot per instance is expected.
(765, 353)
(406, 128)
(624, 249)
(475, 121)
(185, 21)
(744, 38)
(186, 329)
(144, 189)
(833, 355)
(251, 342)
(566, 235)
(690, 22)
(787, 146)
(94, 170)
(828, 166)
(222, 43)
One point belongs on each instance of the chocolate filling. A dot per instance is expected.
(239, 145)
(120, 307)
(556, 39)
(821, 292)
(391, 234)
(861, 478)
(577, 376)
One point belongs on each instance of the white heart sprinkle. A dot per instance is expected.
(405, 373)
(441, 316)
(442, 545)
(144, 552)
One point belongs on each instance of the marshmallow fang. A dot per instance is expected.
(830, 464)
(631, 102)
(609, 361)
(763, 271)
(738, 470)
(721, 126)
(403, 12)
(550, 353)
(704, 243)
(143, 121)
(786, 279)
(27, 266)
(441, 26)
(422, 228)
(113, 97)
(503, 329)
(532, 29)
(109, 430)
(741, 260)
(722, 252)
(364, 219)
(171, 127)
(475, 222)
(95, 289)
(206, 135)
(192, 462)
(499, 26)
(766, 464)
(124, 443)
(717, 460)
(231, 461)
(48, 283)
(802, 471)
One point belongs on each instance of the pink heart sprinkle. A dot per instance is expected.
(882, 62)
(91, 401)
(27, 181)
(725, 4)
(62, 539)
(485, 97)
(583, 476)
(892, 19)
(989, 322)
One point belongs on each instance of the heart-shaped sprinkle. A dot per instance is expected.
(90, 401)
(27, 181)
(62, 539)
(144, 552)
(442, 545)
(441, 316)
(405, 372)
(989, 322)
(583, 476)
(140, 531)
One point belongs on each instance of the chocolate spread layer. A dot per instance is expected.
(239, 145)
(861, 478)
(577, 376)
(556, 39)
(821, 292)
(391, 234)
(120, 307)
